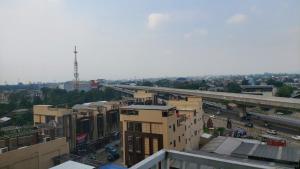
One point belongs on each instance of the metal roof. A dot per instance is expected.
(148, 107)
(279, 154)
(72, 165)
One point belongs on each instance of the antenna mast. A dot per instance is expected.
(76, 74)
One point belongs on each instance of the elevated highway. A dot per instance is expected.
(245, 99)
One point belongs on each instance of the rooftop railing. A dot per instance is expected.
(164, 159)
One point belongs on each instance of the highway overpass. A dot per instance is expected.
(245, 99)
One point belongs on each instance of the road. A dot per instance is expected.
(258, 127)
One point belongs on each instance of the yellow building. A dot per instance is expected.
(37, 156)
(45, 113)
(62, 119)
(91, 123)
(149, 128)
(191, 109)
(144, 97)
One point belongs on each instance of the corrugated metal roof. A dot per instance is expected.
(228, 146)
(266, 151)
(290, 154)
(286, 154)
(243, 149)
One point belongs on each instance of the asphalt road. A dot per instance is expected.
(256, 122)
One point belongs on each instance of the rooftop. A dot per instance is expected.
(72, 165)
(171, 158)
(148, 107)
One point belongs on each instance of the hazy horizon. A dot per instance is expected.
(146, 39)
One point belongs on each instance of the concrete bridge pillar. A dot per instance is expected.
(241, 110)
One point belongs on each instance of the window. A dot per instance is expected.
(49, 118)
(195, 113)
(174, 128)
(134, 126)
(179, 139)
(195, 132)
(185, 141)
(170, 142)
(130, 144)
(165, 114)
(138, 143)
(185, 128)
(174, 143)
(129, 112)
(195, 121)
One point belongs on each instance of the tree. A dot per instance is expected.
(274, 82)
(285, 91)
(233, 87)
(245, 82)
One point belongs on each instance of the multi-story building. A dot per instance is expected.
(4, 97)
(144, 97)
(148, 128)
(83, 124)
(191, 109)
(62, 119)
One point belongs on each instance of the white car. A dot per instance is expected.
(212, 116)
(274, 132)
(296, 137)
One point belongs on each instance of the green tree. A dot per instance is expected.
(285, 91)
(245, 82)
(274, 82)
(233, 87)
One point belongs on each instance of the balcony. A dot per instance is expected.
(164, 159)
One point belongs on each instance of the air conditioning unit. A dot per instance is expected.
(46, 139)
(3, 150)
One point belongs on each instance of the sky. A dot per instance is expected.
(127, 39)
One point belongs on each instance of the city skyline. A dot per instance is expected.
(127, 40)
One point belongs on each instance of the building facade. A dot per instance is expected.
(144, 97)
(83, 125)
(191, 109)
(37, 156)
(147, 129)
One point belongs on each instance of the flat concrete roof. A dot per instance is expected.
(148, 107)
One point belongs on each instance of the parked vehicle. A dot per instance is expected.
(249, 124)
(274, 132)
(112, 152)
(212, 116)
(296, 137)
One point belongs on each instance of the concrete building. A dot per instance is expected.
(84, 124)
(144, 97)
(191, 109)
(37, 156)
(4, 97)
(147, 128)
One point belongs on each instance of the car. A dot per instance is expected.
(296, 137)
(274, 132)
(212, 116)
(279, 113)
(249, 125)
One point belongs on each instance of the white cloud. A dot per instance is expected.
(237, 19)
(157, 19)
(195, 33)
